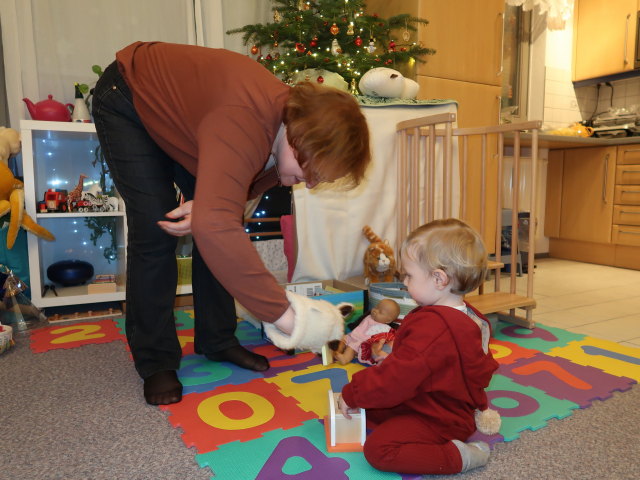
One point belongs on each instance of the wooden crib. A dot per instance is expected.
(426, 186)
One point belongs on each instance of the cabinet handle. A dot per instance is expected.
(630, 233)
(626, 37)
(501, 16)
(605, 178)
(624, 212)
(630, 171)
(631, 150)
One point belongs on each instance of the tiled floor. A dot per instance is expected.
(591, 299)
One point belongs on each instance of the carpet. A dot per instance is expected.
(267, 425)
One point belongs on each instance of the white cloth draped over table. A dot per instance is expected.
(329, 222)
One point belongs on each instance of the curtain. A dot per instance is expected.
(51, 44)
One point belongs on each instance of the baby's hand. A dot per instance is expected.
(344, 408)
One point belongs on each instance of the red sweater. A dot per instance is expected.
(217, 113)
(437, 369)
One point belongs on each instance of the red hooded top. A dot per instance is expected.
(437, 369)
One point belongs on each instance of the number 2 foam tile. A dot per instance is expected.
(541, 338)
(74, 335)
(197, 374)
(233, 413)
(610, 357)
(309, 387)
(524, 408)
(564, 379)
(299, 452)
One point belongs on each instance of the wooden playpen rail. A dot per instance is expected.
(420, 170)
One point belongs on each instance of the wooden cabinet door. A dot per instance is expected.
(604, 37)
(553, 194)
(467, 37)
(478, 106)
(587, 194)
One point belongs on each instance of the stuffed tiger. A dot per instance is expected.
(379, 261)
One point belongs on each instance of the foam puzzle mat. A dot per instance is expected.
(276, 415)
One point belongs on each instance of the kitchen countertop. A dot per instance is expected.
(561, 141)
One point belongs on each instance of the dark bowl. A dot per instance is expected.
(70, 272)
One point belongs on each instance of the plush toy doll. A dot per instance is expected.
(379, 261)
(388, 83)
(12, 192)
(378, 325)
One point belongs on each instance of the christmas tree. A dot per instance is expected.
(333, 35)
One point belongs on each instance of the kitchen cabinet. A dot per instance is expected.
(467, 37)
(587, 194)
(467, 67)
(604, 37)
(54, 156)
(626, 211)
(593, 204)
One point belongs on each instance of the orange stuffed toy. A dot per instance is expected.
(12, 193)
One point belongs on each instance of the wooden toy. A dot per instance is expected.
(343, 434)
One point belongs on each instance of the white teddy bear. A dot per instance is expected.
(387, 82)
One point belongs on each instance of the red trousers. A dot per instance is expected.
(407, 443)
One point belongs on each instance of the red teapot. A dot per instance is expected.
(49, 110)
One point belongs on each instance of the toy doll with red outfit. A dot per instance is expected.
(367, 338)
(428, 396)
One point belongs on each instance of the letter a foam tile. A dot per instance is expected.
(233, 412)
(197, 374)
(610, 357)
(524, 408)
(74, 335)
(542, 338)
(564, 379)
(288, 454)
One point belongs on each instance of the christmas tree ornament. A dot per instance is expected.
(268, 57)
(300, 48)
(335, 47)
(320, 79)
(254, 50)
(372, 46)
(301, 5)
(314, 42)
(392, 46)
(358, 41)
(350, 30)
(406, 35)
(334, 29)
(354, 88)
(277, 17)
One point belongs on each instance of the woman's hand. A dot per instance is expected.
(183, 226)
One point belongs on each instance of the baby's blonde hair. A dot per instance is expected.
(452, 246)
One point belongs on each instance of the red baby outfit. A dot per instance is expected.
(425, 393)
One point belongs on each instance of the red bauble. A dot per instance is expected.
(388, 61)
(392, 46)
(358, 41)
(300, 48)
(320, 79)
(314, 42)
(269, 57)
(254, 49)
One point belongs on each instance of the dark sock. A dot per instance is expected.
(162, 388)
(241, 357)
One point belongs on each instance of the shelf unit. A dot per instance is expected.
(54, 154)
